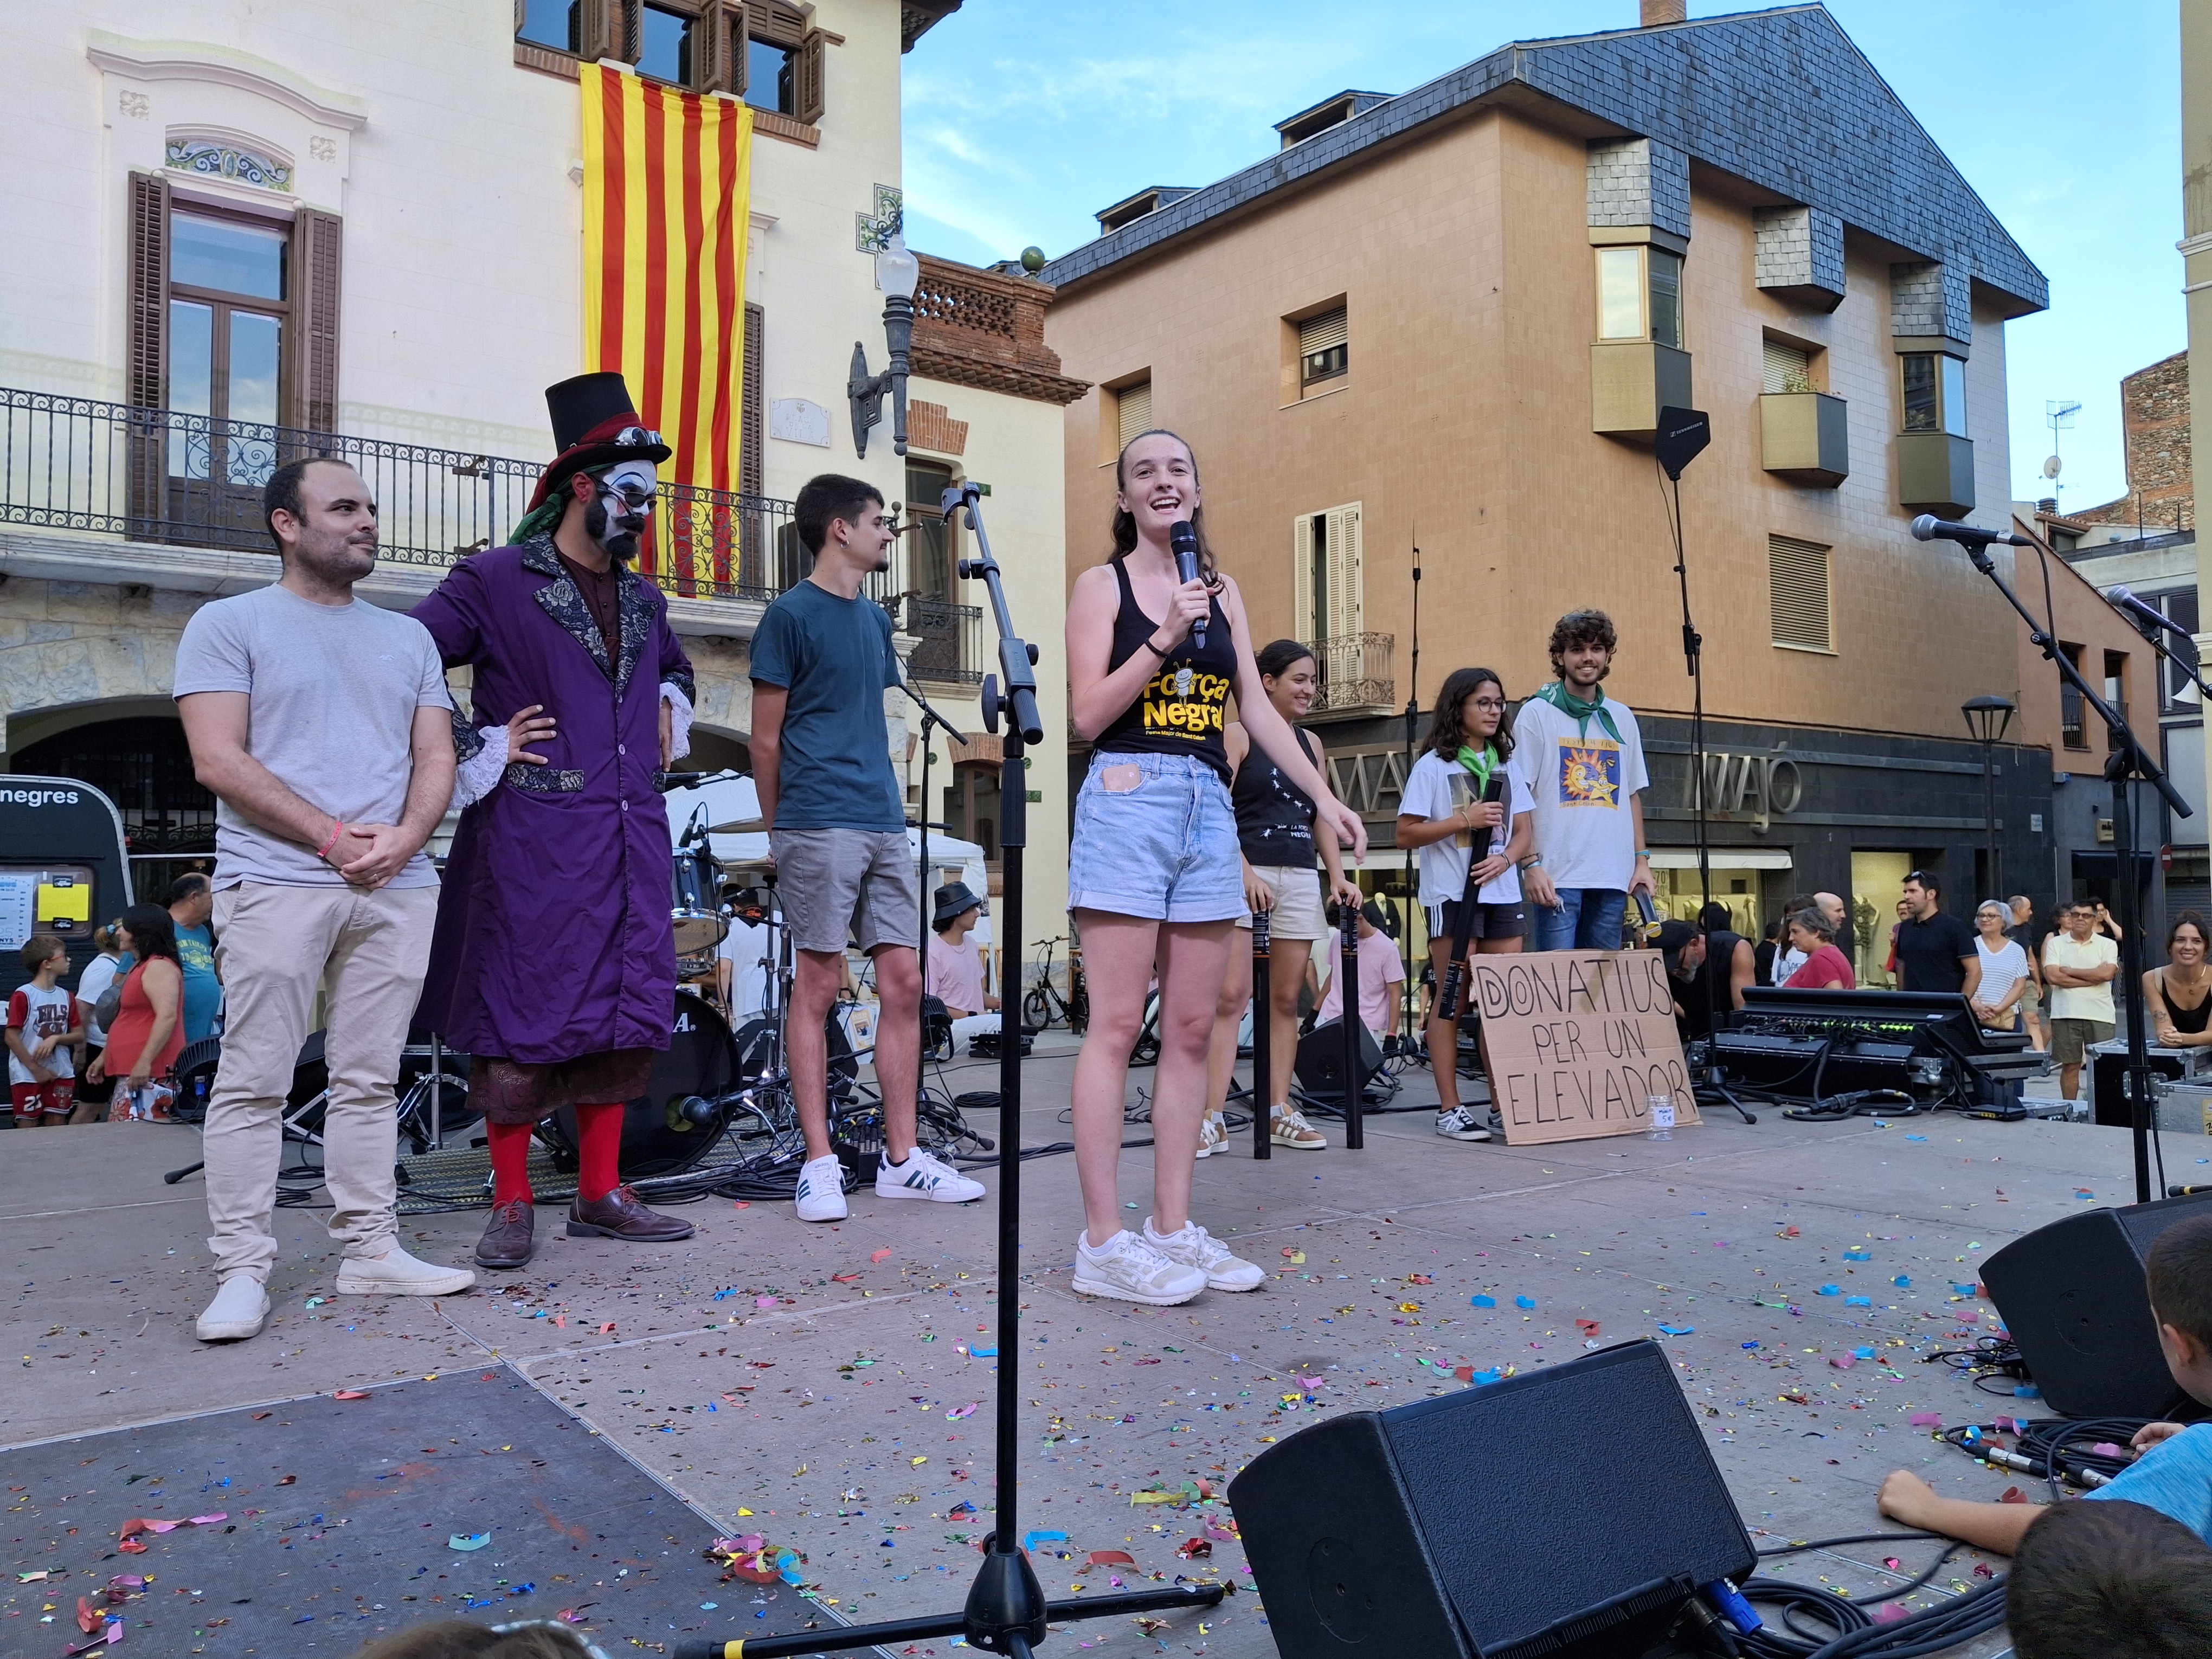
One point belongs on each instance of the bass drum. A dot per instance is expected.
(658, 1140)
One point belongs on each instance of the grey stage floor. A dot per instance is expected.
(736, 1369)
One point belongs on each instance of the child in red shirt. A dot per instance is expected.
(42, 1024)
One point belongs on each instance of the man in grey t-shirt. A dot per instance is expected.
(322, 726)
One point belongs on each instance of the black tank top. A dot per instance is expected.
(2189, 1021)
(1275, 817)
(1183, 705)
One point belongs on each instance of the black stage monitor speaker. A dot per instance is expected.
(1320, 1064)
(2072, 1295)
(1569, 1513)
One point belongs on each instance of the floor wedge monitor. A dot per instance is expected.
(1569, 1513)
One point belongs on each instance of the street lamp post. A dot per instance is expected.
(898, 273)
(1987, 719)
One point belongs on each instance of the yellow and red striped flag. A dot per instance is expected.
(667, 190)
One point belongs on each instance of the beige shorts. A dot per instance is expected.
(1297, 913)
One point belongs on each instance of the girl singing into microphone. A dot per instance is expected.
(1154, 878)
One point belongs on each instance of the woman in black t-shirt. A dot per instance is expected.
(1153, 877)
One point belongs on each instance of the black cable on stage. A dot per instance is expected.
(1815, 1623)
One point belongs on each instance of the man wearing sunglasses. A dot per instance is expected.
(554, 963)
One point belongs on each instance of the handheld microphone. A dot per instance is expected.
(2125, 599)
(1929, 528)
(1184, 541)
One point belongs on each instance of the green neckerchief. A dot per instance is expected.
(1567, 702)
(1478, 764)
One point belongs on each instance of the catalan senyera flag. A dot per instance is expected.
(667, 190)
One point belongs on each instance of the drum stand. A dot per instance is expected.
(1007, 1612)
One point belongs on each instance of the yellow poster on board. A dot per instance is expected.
(64, 901)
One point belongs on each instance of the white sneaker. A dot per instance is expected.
(239, 1311)
(1459, 1124)
(1194, 1247)
(1287, 1126)
(398, 1274)
(1212, 1135)
(1131, 1269)
(923, 1175)
(822, 1189)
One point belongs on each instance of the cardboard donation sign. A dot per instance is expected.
(1579, 1041)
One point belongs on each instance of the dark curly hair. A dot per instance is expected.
(1125, 523)
(1582, 628)
(1448, 732)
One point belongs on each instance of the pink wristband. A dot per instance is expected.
(337, 829)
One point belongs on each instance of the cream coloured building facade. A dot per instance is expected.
(387, 202)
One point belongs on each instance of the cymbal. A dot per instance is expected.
(738, 827)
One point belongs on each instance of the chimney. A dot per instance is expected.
(2048, 504)
(1656, 12)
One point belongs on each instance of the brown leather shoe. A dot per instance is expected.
(507, 1238)
(621, 1215)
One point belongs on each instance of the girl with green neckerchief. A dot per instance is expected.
(1444, 814)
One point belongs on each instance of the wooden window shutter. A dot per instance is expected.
(316, 239)
(1302, 568)
(603, 29)
(148, 366)
(1132, 408)
(809, 72)
(736, 31)
(1798, 584)
(710, 50)
(752, 430)
(1344, 608)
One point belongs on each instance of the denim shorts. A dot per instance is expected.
(1162, 845)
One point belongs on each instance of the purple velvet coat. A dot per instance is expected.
(553, 938)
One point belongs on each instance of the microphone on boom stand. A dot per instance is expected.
(1184, 540)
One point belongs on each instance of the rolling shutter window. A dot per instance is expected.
(1787, 369)
(150, 290)
(1132, 407)
(1345, 607)
(316, 240)
(1798, 583)
(751, 432)
(1324, 348)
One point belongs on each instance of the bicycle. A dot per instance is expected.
(1043, 1005)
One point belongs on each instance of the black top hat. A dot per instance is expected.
(594, 424)
(954, 899)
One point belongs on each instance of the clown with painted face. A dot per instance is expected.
(553, 965)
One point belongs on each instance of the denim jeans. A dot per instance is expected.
(1155, 837)
(1588, 919)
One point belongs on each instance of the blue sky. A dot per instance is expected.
(1025, 116)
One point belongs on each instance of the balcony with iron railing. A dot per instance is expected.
(163, 478)
(1355, 674)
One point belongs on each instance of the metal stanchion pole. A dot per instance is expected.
(1263, 1037)
(1355, 1079)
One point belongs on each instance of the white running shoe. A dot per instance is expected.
(1131, 1269)
(822, 1189)
(398, 1274)
(923, 1175)
(1459, 1124)
(239, 1311)
(1287, 1126)
(1194, 1247)
(1212, 1135)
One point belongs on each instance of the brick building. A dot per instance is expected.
(1448, 319)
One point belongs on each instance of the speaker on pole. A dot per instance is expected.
(1571, 1512)
(2073, 1298)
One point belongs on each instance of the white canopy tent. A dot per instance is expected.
(730, 800)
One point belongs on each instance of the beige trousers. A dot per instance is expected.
(367, 952)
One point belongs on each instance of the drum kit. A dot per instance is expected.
(710, 1075)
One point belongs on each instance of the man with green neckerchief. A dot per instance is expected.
(1581, 754)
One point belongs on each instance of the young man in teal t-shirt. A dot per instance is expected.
(836, 822)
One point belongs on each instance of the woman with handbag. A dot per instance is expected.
(2005, 976)
(148, 1032)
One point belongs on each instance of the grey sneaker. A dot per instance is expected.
(1459, 1124)
(239, 1311)
(1194, 1247)
(1132, 1269)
